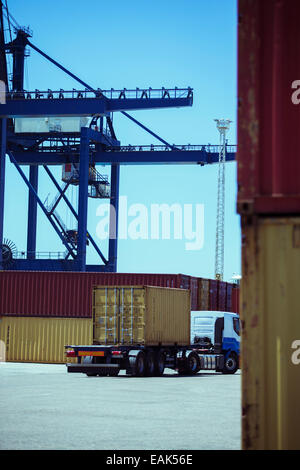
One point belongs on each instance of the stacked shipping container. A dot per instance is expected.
(40, 312)
(69, 294)
(269, 204)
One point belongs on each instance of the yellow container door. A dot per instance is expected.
(118, 315)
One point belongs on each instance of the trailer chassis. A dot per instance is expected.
(141, 361)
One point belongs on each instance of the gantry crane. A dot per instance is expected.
(90, 140)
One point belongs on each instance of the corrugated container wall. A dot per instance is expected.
(222, 296)
(69, 294)
(203, 294)
(269, 107)
(271, 334)
(229, 288)
(213, 294)
(32, 339)
(141, 315)
(235, 300)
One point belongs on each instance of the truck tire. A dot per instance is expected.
(150, 364)
(89, 360)
(191, 364)
(137, 364)
(231, 364)
(159, 364)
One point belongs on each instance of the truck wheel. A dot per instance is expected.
(150, 364)
(159, 364)
(113, 372)
(191, 365)
(138, 364)
(231, 364)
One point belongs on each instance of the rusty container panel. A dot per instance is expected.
(69, 294)
(271, 334)
(213, 294)
(269, 107)
(36, 339)
(194, 293)
(222, 296)
(229, 288)
(141, 315)
(203, 294)
(235, 300)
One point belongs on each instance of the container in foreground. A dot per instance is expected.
(271, 334)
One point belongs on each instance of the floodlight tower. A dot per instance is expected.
(223, 126)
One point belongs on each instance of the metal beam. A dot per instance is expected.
(114, 217)
(83, 199)
(2, 181)
(32, 212)
(69, 107)
(184, 157)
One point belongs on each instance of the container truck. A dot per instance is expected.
(143, 330)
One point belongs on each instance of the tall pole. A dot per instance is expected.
(223, 127)
(2, 181)
(3, 126)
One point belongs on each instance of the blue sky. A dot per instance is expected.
(141, 44)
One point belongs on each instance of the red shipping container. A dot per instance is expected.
(235, 303)
(69, 294)
(269, 107)
(213, 294)
(194, 292)
(222, 296)
(229, 288)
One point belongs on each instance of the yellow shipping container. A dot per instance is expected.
(37, 339)
(270, 314)
(141, 315)
(203, 294)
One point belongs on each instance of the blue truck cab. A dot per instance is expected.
(218, 335)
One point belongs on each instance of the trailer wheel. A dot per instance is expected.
(150, 364)
(231, 364)
(159, 364)
(138, 364)
(89, 360)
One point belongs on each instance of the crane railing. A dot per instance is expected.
(137, 93)
(40, 255)
(72, 144)
(142, 148)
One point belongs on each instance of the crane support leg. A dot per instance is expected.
(114, 216)
(83, 199)
(2, 180)
(32, 213)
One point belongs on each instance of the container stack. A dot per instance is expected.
(40, 312)
(269, 205)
